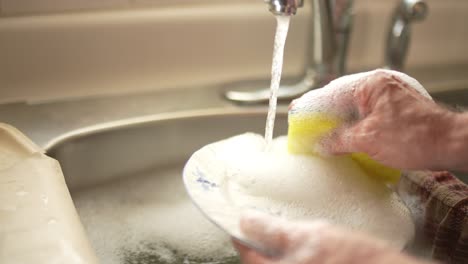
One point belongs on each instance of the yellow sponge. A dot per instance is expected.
(305, 130)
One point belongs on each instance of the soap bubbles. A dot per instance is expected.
(298, 187)
(148, 218)
(337, 97)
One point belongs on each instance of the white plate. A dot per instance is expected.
(226, 178)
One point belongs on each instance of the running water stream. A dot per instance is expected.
(276, 69)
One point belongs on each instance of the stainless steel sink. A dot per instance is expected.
(112, 171)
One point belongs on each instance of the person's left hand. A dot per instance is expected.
(312, 242)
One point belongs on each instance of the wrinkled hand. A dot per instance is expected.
(394, 123)
(313, 242)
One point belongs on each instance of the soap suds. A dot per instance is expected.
(337, 98)
(147, 217)
(309, 187)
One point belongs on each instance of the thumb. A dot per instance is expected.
(268, 231)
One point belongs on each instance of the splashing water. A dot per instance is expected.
(276, 69)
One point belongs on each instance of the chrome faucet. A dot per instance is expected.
(328, 38)
(284, 7)
(398, 38)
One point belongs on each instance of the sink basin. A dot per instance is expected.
(126, 182)
(125, 178)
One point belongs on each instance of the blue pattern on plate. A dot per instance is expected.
(206, 184)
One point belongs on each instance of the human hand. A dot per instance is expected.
(312, 242)
(393, 120)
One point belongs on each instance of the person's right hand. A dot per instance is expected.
(395, 124)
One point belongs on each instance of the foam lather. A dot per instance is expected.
(229, 177)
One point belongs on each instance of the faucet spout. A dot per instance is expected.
(399, 33)
(328, 40)
(284, 7)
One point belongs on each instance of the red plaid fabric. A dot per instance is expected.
(443, 212)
